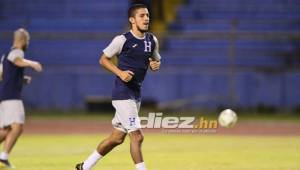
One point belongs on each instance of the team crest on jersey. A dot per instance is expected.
(147, 46)
(132, 121)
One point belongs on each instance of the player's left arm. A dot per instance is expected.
(155, 59)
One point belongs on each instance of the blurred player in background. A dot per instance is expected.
(136, 49)
(12, 114)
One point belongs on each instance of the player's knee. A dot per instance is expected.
(117, 141)
(140, 138)
(3, 132)
(18, 128)
(137, 138)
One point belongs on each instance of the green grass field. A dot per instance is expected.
(162, 152)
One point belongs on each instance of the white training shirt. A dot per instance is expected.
(115, 47)
(15, 53)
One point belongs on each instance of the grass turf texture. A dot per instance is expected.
(162, 152)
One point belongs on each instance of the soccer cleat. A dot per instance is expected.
(79, 166)
(5, 164)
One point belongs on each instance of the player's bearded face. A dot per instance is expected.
(142, 20)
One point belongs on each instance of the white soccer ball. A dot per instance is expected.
(227, 118)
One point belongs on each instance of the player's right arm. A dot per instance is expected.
(115, 48)
(105, 61)
(17, 57)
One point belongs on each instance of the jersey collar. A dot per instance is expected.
(137, 36)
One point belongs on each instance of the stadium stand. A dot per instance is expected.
(215, 52)
(253, 39)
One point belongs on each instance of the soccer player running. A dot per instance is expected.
(12, 114)
(136, 49)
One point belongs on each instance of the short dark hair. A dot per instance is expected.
(133, 8)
